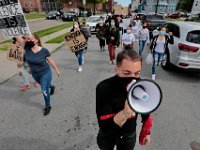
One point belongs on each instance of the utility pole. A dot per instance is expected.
(157, 7)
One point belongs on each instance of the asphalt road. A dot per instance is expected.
(72, 123)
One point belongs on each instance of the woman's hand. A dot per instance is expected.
(58, 73)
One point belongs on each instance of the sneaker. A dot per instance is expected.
(24, 88)
(153, 77)
(113, 62)
(110, 62)
(80, 69)
(47, 110)
(52, 89)
(36, 84)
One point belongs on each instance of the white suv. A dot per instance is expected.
(185, 52)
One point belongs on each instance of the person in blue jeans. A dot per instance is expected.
(143, 38)
(39, 60)
(80, 53)
(158, 46)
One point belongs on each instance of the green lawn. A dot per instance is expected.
(53, 29)
(34, 15)
(4, 44)
(58, 39)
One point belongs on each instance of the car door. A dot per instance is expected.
(174, 52)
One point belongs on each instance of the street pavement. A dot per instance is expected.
(72, 123)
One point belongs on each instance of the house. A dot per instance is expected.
(149, 6)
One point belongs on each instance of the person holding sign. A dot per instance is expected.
(22, 65)
(39, 59)
(80, 52)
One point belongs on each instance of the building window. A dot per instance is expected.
(25, 5)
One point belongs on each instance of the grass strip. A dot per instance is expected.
(40, 33)
(34, 15)
(58, 39)
(51, 30)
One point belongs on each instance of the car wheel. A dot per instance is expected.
(165, 62)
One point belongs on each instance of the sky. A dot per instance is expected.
(123, 2)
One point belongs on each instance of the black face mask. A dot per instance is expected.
(29, 44)
(126, 80)
(144, 26)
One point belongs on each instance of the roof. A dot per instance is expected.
(188, 25)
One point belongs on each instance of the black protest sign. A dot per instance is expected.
(12, 20)
(75, 41)
(15, 53)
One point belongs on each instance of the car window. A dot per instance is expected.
(93, 19)
(174, 29)
(154, 17)
(193, 37)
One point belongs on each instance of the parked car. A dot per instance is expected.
(193, 17)
(53, 15)
(92, 22)
(153, 21)
(173, 16)
(67, 16)
(185, 52)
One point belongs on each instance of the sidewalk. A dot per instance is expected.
(8, 68)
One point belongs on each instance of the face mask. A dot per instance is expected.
(126, 80)
(144, 26)
(162, 32)
(112, 24)
(129, 31)
(29, 44)
(75, 26)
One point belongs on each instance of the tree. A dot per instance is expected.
(94, 2)
(185, 5)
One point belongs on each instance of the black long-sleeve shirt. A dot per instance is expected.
(111, 95)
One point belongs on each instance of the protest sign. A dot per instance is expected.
(12, 20)
(15, 53)
(75, 41)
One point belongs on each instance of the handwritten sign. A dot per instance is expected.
(75, 41)
(15, 53)
(12, 20)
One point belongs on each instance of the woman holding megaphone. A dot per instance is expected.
(116, 119)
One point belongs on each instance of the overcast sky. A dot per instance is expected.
(123, 2)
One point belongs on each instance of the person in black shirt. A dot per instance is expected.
(117, 121)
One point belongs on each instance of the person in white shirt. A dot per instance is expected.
(143, 38)
(128, 39)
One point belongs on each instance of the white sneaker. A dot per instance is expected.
(110, 62)
(153, 77)
(80, 69)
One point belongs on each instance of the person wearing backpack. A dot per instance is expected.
(158, 46)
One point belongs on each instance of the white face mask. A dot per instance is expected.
(75, 26)
(129, 31)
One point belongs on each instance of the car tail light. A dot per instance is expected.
(187, 48)
(183, 64)
(148, 24)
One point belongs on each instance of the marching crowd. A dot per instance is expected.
(116, 120)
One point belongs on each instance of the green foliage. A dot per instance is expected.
(95, 1)
(185, 5)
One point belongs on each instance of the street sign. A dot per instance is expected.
(12, 20)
